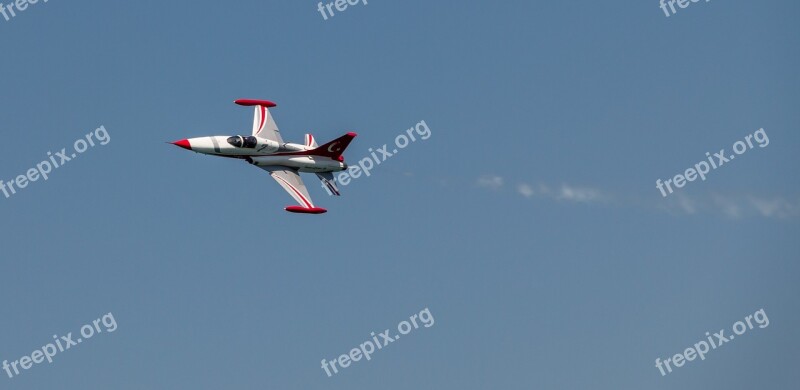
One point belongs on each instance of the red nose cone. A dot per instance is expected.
(184, 143)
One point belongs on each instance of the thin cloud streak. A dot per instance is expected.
(490, 181)
(732, 207)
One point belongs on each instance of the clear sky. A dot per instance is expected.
(529, 223)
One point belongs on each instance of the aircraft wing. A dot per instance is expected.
(290, 180)
(264, 125)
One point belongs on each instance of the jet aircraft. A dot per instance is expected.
(265, 148)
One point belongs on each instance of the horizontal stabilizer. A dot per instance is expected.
(311, 142)
(330, 185)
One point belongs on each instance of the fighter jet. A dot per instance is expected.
(284, 161)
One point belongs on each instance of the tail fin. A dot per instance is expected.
(311, 142)
(335, 148)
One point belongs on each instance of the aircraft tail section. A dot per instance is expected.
(311, 142)
(330, 185)
(335, 148)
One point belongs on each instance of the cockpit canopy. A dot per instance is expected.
(240, 141)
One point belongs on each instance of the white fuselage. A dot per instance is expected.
(263, 152)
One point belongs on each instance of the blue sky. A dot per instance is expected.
(528, 223)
